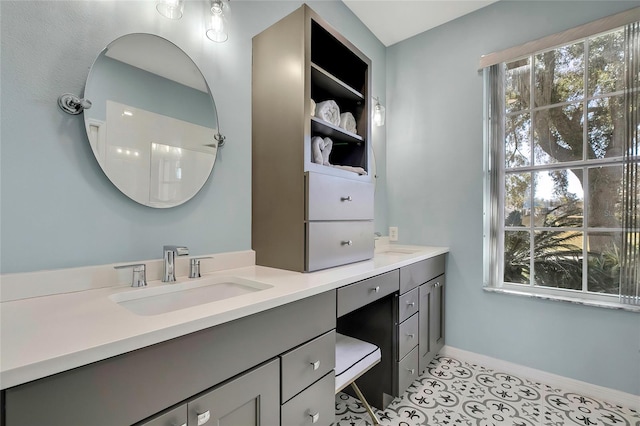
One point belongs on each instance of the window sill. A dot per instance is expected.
(574, 300)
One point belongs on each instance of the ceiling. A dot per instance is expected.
(396, 20)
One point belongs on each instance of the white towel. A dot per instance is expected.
(358, 170)
(347, 122)
(328, 111)
(320, 150)
(313, 107)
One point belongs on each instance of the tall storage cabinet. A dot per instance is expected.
(308, 216)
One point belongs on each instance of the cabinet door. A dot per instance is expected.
(436, 321)
(431, 320)
(175, 417)
(248, 400)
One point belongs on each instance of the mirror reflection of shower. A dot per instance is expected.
(153, 126)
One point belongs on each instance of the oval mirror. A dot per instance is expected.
(153, 125)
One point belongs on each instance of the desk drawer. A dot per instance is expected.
(335, 198)
(408, 304)
(357, 295)
(407, 336)
(407, 370)
(307, 363)
(411, 276)
(314, 406)
(331, 244)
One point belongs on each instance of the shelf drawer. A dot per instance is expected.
(357, 295)
(307, 363)
(407, 336)
(331, 244)
(335, 198)
(408, 304)
(418, 273)
(314, 406)
(407, 370)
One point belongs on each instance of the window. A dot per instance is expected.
(562, 193)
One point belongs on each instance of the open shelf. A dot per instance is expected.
(321, 127)
(333, 85)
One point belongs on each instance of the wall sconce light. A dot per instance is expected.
(378, 113)
(217, 25)
(171, 9)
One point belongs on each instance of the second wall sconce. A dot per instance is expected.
(378, 113)
(217, 26)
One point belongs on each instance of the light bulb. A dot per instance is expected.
(217, 26)
(378, 114)
(171, 9)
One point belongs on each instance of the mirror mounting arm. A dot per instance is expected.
(220, 138)
(72, 104)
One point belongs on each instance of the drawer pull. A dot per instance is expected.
(412, 304)
(346, 243)
(411, 371)
(315, 417)
(315, 365)
(346, 198)
(411, 336)
(203, 417)
(376, 289)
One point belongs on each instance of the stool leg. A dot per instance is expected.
(355, 387)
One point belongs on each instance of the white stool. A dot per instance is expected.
(354, 358)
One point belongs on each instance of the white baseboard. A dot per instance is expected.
(601, 393)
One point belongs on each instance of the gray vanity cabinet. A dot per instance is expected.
(249, 400)
(232, 365)
(425, 280)
(308, 216)
(174, 417)
(431, 325)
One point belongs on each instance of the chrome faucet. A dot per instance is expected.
(170, 253)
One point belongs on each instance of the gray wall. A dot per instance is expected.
(434, 155)
(57, 208)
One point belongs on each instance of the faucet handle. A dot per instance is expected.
(194, 267)
(139, 277)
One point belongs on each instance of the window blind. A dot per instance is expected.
(630, 267)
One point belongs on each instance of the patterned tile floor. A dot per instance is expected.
(453, 393)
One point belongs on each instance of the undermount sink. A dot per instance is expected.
(172, 297)
(398, 250)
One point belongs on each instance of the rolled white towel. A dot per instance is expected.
(328, 111)
(317, 143)
(358, 170)
(326, 151)
(320, 150)
(347, 122)
(313, 107)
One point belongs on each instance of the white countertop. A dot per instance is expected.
(40, 336)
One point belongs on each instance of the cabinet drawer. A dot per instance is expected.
(175, 417)
(407, 336)
(336, 198)
(331, 244)
(314, 406)
(356, 295)
(307, 363)
(407, 370)
(418, 273)
(408, 304)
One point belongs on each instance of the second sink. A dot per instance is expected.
(172, 297)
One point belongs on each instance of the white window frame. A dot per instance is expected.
(494, 180)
